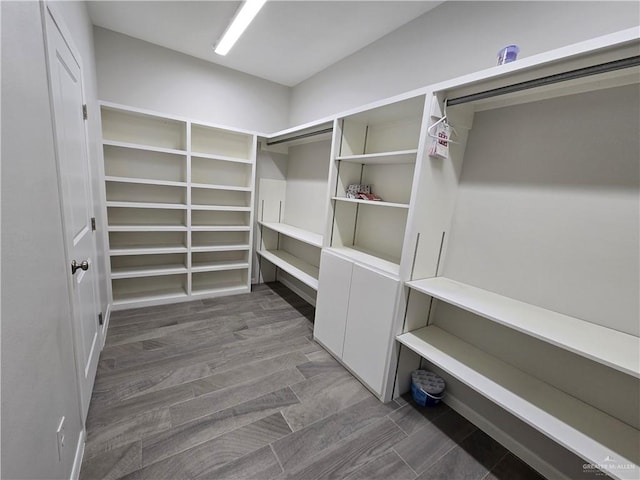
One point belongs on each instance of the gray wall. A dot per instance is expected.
(548, 196)
(453, 39)
(38, 372)
(139, 74)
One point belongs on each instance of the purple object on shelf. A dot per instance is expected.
(508, 54)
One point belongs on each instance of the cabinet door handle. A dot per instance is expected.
(84, 265)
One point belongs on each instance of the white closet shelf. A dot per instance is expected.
(147, 250)
(615, 349)
(223, 158)
(230, 289)
(581, 428)
(219, 248)
(144, 181)
(368, 258)
(218, 266)
(371, 202)
(296, 233)
(231, 188)
(148, 148)
(303, 271)
(221, 208)
(147, 228)
(163, 206)
(220, 228)
(389, 158)
(150, 271)
(156, 295)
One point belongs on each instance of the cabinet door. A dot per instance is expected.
(332, 301)
(370, 317)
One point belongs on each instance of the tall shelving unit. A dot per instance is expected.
(376, 147)
(363, 264)
(179, 198)
(221, 202)
(291, 206)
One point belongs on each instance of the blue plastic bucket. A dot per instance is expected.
(427, 388)
(423, 398)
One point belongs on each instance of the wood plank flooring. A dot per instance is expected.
(236, 388)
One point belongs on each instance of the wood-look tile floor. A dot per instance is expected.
(236, 388)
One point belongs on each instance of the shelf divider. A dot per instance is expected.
(609, 347)
(303, 271)
(296, 233)
(389, 158)
(221, 208)
(372, 202)
(144, 181)
(163, 206)
(147, 228)
(219, 291)
(148, 148)
(151, 271)
(147, 250)
(220, 228)
(218, 266)
(219, 248)
(223, 158)
(157, 295)
(232, 188)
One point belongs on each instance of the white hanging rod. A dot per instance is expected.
(548, 80)
(300, 136)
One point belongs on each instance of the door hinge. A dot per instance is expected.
(85, 114)
(93, 224)
(100, 320)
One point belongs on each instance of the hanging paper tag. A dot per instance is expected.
(440, 146)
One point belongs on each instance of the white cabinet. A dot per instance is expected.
(354, 317)
(372, 301)
(333, 302)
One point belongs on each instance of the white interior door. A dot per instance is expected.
(77, 209)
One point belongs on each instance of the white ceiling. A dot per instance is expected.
(288, 41)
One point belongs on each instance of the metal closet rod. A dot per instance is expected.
(549, 80)
(302, 135)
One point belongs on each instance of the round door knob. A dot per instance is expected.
(84, 265)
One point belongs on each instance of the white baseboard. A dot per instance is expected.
(507, 441)
(77, 461)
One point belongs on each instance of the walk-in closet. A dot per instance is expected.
(304, 240)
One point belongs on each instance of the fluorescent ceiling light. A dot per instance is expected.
(240, 22)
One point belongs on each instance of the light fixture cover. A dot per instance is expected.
(240, 22)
